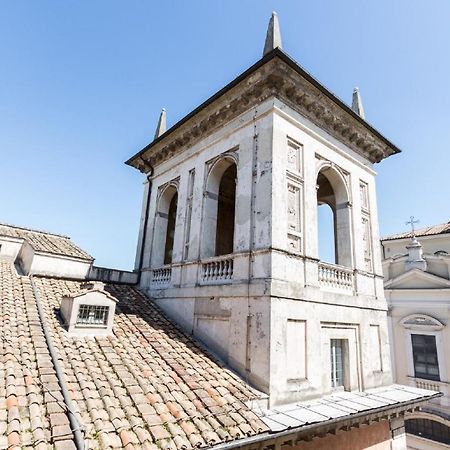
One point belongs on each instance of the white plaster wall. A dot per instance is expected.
(53, 265)
(245, 319)
(435, 303)
(430, 244)
(322, 323)
(10, 247)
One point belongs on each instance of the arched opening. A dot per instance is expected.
(325, 224)
(219, 209)
(170, 233)
(225, 212)
(333, 218)
(428, 429)
(165, 224)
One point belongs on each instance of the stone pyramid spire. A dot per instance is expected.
(273, 36)
(161, 127)
(357, 105)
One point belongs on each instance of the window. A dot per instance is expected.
(428, 429)
(225, 212)
(170, 231)
(337, 363)
(92, 315)
(165, 224)
(425, 356)
(333, 218)
(219, 209)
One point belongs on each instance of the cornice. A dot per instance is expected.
(275, 76)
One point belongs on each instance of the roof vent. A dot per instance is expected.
(89, 312)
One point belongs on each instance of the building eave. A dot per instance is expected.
(292, 436)
(139, 161)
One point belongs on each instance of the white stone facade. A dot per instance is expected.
(417, 289)
(271, 308)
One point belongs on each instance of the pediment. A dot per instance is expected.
(417, 279)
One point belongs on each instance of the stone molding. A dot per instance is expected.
(274, 78)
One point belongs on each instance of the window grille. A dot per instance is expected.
(428, 429)
(92, 315)
(425, 356)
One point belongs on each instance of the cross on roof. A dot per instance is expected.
(411, 222)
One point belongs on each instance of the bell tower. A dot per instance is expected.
(234, 195)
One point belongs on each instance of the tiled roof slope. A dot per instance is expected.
(147, 386)
(31, 408)
(43, 241)
(442, 228)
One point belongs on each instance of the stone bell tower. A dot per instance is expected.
(230, 237)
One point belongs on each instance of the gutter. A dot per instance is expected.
(75, 425)
(260, 438)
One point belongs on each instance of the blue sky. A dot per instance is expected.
(82, 84)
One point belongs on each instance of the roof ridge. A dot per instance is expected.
(33, 230)
(418, 232)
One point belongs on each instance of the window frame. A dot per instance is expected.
(426, 351)
(412, 427)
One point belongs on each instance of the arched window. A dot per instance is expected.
(428, 429)
(170, 232)
(165, 222)
(334, 227)
(219, 212)
(327, 245)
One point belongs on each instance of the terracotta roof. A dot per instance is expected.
(149, 385)
(442, 228)
(43, 241)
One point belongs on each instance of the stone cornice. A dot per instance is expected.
(276, 75)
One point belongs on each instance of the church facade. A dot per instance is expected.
(417, 287)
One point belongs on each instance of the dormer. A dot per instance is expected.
(89, 312)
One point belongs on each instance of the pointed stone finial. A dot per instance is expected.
(273, 36)
(161, 127)
(357, 105)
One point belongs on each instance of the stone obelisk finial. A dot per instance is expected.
(161, 127)
(357, 105)
(273, 36)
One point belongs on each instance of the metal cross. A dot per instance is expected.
(412, 222)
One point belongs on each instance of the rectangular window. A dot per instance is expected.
(337, 363)
(425, 356)
(92, 315)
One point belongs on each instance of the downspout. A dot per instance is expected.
(144, 231)
(75, 425)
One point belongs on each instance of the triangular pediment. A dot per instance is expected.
(417, 279)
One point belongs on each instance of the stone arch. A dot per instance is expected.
(421, 322)
(428, 426)
(332, 190)
(220, 207)
(165, 223)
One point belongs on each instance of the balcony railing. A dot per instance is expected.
(161, 276)
(429, 385)
(331, 275)
(217, 269)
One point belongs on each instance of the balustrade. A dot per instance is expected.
(335, 276)
(218, 269)
(161, 275)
